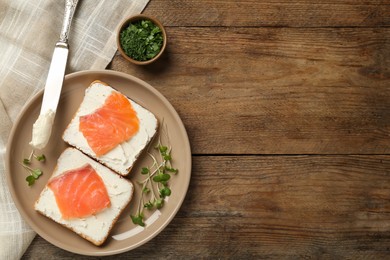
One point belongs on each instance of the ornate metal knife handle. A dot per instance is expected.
(70, 7)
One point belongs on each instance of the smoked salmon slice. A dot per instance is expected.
(113, 123)
(80, 192)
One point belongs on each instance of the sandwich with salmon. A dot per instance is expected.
(84, 196)
(111, 128)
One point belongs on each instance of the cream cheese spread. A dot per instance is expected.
(42, 130)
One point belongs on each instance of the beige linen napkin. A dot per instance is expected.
(29, 30)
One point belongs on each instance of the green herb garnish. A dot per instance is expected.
(145, 170)
(155, 185)
(165, 192)
(141, 40)
(40, 158)
(148, 205)
(138, 219)
(26, 161)
(34, 173)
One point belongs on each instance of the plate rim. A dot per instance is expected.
(30, 221)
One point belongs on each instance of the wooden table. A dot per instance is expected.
(287, 107)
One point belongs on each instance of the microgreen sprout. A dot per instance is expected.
(34, 173)
(138, 219)
(40, 158)
(145, 170)
(26, 161)
(155, 185)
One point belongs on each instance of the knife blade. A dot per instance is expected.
(42, 127)
(55, 78)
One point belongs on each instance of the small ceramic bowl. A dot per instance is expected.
(135, 18)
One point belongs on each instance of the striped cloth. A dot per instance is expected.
(29, 30)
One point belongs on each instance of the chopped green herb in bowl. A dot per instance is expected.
(141, 39)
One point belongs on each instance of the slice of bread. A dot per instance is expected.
(123, 156)
(94, 228)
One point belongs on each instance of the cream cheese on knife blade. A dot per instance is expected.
(42, 130)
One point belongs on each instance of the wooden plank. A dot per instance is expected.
(305, 13)
(277, 90)
(274, 206)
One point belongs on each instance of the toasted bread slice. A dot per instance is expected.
(94, 228)
(123, 156)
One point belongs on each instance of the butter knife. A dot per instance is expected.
(42, 127)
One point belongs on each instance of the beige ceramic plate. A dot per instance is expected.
(125, 235)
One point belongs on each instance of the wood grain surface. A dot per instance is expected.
(274, 206)
(287, 107)
(279, 13)
(277, 90)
